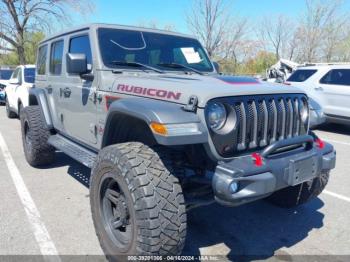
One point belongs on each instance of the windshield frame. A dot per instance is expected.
(211, 68)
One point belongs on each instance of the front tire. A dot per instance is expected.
(34, 137)
(300, 194)
(137, 204)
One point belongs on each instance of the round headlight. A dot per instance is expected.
(217, 115)
(304, 112)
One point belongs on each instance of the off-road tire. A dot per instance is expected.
(153, 196)
(9, 112)
(300, 194)
(34, 137)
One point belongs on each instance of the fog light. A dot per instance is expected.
(234, 187)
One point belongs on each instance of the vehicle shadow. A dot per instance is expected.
(335, 128)
(76, 170)
(252, 231)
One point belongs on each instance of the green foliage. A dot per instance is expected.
(252, 66)
(30, 47)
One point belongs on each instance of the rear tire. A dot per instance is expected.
(34, 136)
(9, 112)
(299, 194)
(147, 204)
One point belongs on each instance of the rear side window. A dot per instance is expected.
(41, 62)
(29, 75)
(56, 58)
(81, 45)
(301, 75)
(337, 77)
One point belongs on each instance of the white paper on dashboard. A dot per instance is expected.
(191, 56)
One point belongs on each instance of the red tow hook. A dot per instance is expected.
(258, 159)
(319, 143)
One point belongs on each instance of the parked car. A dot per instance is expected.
(17, 90)
(329, 86)
(5, 75)
(164, 133)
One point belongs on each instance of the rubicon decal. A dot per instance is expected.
(150, 92)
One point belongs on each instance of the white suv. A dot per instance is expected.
(329, 86)
(17, 91)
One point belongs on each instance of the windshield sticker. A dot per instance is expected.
(150, 92)
(191, 56)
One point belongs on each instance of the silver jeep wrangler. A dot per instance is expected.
(163, 132)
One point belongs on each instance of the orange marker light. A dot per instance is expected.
(159, 128)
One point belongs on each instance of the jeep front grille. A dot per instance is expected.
(261, 120)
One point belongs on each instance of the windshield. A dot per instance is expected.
(153, 49)
(5, 74)
(29, 75)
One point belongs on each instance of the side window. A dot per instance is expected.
(41, 61)
(81, 45)
(15, 74)
(301, 75)
(56, 58)
(337, 77)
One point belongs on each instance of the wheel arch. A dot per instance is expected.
(37, 96)
(130, 129)
(136, 115)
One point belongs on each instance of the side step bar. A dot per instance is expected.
(75, 151)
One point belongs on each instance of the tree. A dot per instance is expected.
(320, 18)
(209, 21)
(275, 34)
(21, 17)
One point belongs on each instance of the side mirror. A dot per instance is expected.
(76, 64)
(216, 66)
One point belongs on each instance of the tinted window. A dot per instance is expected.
(81, 45)
(29, 75)
(56, 58)
(301, 75)
(5, 74)
(337, 77)
(152, 49)
(41, 63)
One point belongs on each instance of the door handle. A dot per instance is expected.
(318, 88)
(66, 92)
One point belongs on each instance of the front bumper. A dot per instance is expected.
(279, 170)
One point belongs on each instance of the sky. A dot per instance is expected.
(173, 12)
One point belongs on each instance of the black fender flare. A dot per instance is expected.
(151, 110)
(37, 96)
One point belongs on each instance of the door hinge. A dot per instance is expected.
(94, 97)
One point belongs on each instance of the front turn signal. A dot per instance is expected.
(159, 128)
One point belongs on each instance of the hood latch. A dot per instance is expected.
(191, 104)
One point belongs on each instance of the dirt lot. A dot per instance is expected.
(60, 196)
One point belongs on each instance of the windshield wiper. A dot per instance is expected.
(175, 65)
(136, 64)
